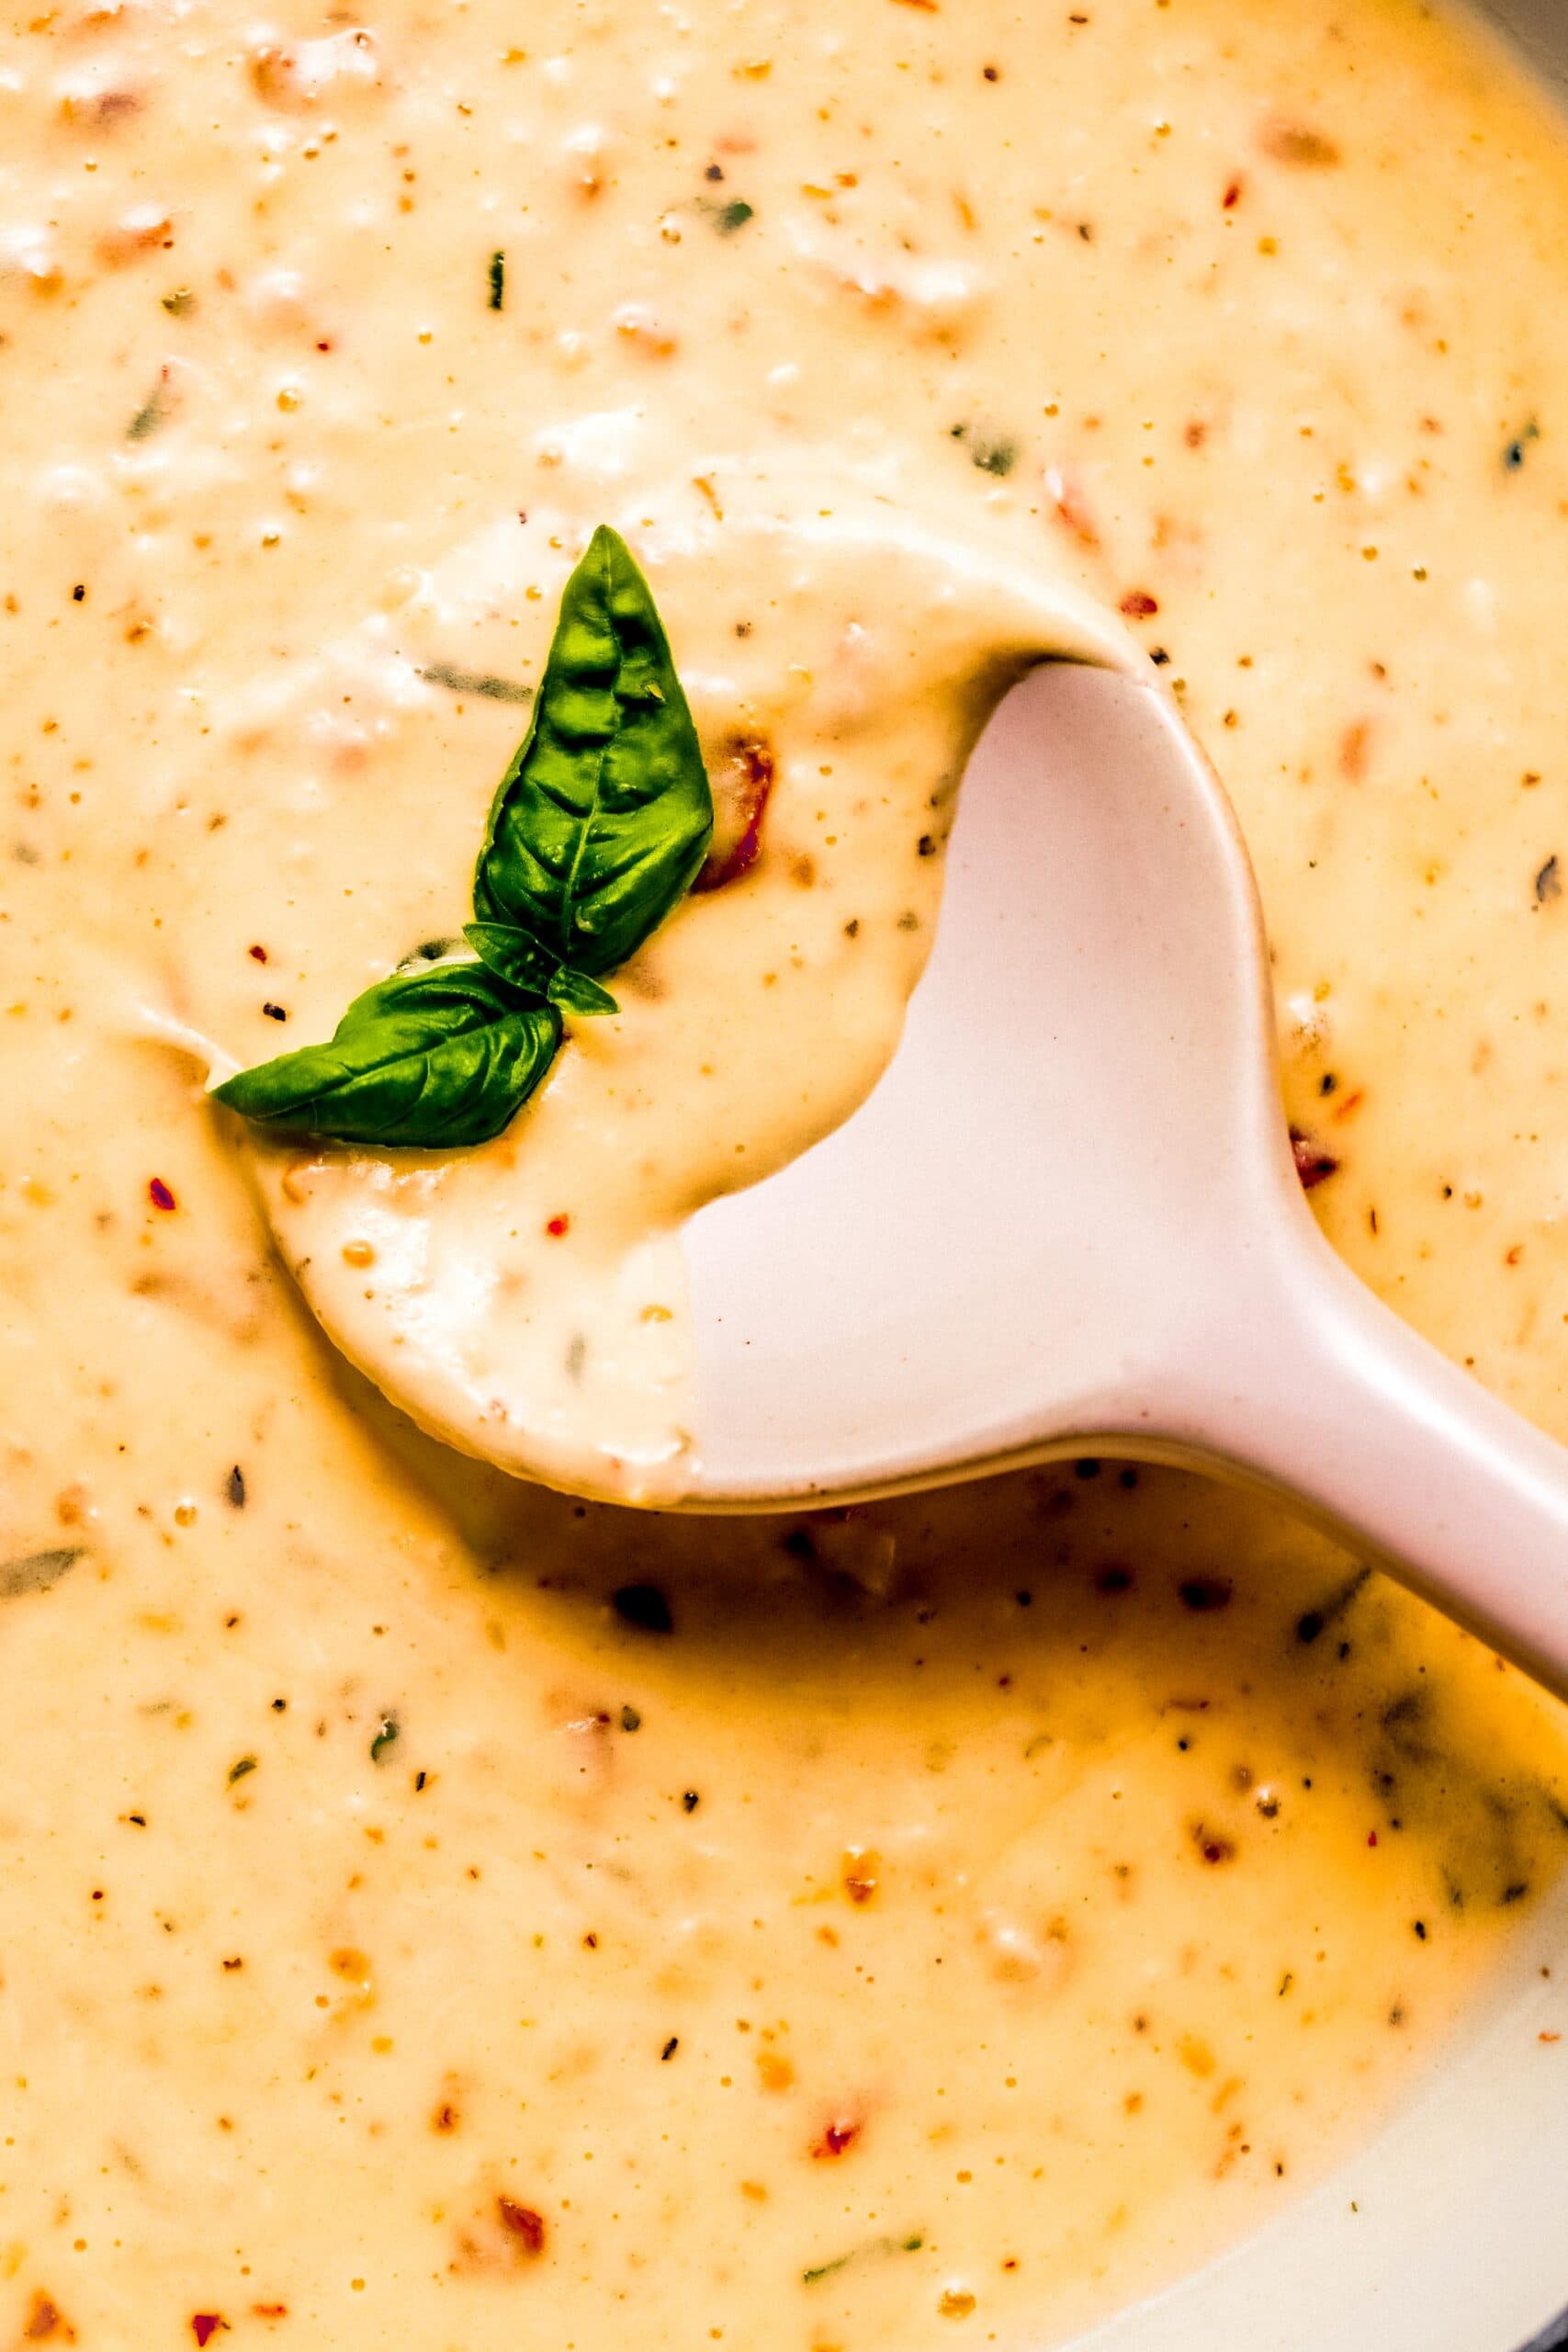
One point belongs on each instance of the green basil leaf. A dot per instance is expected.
(514, 955)
(437, 1058)
(604, 814)
(575, 992)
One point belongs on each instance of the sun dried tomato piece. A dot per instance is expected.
(740, 790)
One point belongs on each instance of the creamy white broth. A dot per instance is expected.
(1074, 1866)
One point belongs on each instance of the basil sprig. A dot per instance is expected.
(599, 826)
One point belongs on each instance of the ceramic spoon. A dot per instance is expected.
(1069, 1220)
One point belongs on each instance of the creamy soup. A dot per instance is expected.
(441, 1913)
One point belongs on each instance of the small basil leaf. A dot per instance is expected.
(434, 1059)
(514, 955)
(604, 814)
(575, 992)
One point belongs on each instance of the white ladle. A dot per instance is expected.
(1069, 1220)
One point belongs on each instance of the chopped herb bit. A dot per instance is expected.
(1201, 1593)
(474, 682)
(431, 951)
(671, 2047)
(1549, 882)
(386, 1733)
(644, 1606)
(180, 304)
(37, 1571)
(991, 452)
(727, 218)
(1514, 450)
(630, 1719)
(691, 1800)
(238, 1772)
(153, 412)
(1315, 1621)
(497, 281)
(236, 1488)
(994, 457)
(884, 2246)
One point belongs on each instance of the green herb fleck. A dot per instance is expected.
(1314, 1622)
(238, 1772)
(497, 281)
(727, 218)
(630, 1719)
(474, 682)
(153, 412)
(180, 304)
(1514, 450)
(37, 1571)
(992, 452)
(386, 1733)
(859, 2254)
(431, 951)
(599, 824)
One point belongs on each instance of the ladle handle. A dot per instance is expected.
(1318, 1388)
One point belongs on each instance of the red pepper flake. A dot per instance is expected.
(557, 1226)
(1218, 1849)
(1371, 1837)
(1232, 197)
(1549, 2037)
(838, 2136)
(258, 954)
(526, 2226)
(270, 2311)
(1072, 508)
(740, 790)
(159, 1195)
(205, 2325)
(1313, 1165)
(1138, 605)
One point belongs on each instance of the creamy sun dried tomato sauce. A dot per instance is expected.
(440, 1914)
